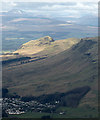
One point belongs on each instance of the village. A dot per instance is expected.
(15, 106)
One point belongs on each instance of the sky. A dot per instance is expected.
(50, 8)
(51, 0)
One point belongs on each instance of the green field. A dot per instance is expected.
(80, 112)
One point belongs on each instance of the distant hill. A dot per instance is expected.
(19, 27)
(71, 65)
(89, 20)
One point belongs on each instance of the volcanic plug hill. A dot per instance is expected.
(45, 66)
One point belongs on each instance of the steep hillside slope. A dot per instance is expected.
(72, 68)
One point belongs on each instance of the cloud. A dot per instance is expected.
(52, 1)
(53, 7)
(13, 4)
(6, 6)
(77, 9)
(62, 9)
(77, 6)
(82, 6)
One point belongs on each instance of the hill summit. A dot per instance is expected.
(39, 42)
(47, 38)
(44, 40)
(46, 45)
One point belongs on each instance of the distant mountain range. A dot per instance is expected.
(19, 26)
(89, 20)
(14, 12)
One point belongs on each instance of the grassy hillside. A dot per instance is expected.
(60, 72)
(46, 46)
